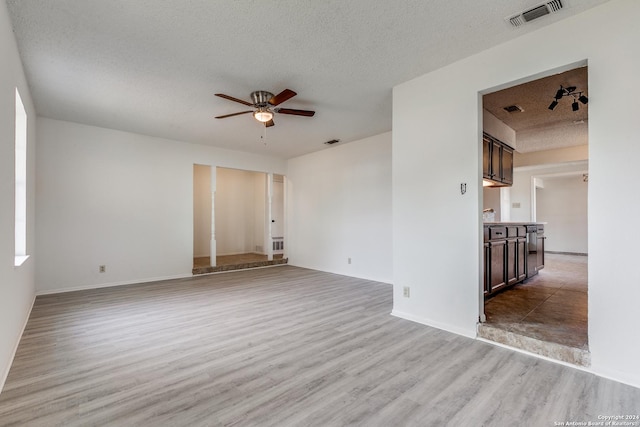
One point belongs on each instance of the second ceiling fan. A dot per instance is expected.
(262, 103)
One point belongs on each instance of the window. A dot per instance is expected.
(21, 183)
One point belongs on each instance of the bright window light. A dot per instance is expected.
(21, 182)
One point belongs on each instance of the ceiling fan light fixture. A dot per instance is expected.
(583, 99)
(575, 106)
(553, 105)
(263, 115)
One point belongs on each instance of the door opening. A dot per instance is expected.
(546, 207)
(239, 219)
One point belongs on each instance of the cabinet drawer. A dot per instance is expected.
(522, 231)
(540, 229)
(512, 231)
(497, 233)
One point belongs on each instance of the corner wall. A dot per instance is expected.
(437, 231)
(202, 212)
(562, 204)
(17, 289)
(119, 199)
(339, 207)
(239, 211)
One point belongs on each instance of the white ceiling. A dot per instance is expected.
(153, 66)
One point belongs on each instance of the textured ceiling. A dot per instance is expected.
(538, 128)
(153, 66)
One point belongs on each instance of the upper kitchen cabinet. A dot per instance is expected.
(497, 162)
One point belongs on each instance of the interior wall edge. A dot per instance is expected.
(385, 280)
(5, 374)
(111, 284)
(435, 324)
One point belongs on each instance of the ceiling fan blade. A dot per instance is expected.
(234, 114)
(269, 124)
(231, 98)
(306, 113)
(282, 96)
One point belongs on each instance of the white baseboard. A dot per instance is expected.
(386, 281)
(445, 327)
(111, 284)
(5, 374)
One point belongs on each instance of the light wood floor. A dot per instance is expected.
(282, 346)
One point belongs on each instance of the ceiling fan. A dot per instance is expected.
(262, 103)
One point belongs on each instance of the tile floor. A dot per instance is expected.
(550, 307)
(231, 259)
(202, 265)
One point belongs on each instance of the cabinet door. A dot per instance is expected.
(511, 261)
(540, 257)
(486, 288)
(496, 260)
(496, 158)
(521, 258)
(486, 158)
(507, 165)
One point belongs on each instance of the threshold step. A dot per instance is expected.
(575, 356)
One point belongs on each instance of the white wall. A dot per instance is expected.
(120, 199)
(498, 129)
(239, 211)
(339, 207)
(558, 155)
(259, 213)
(522, 185)
(17, 289)
(491, 200)
(201, 211)
(436, 146)
(562, 204)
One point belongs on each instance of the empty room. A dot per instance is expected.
(272, 213)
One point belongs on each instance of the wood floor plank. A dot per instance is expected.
(283, 346)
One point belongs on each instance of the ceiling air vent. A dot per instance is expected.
(535, 13)
(333, 141)
(513, 109)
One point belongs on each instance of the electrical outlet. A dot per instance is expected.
(102, 268)
(348, 260)
(406, 292)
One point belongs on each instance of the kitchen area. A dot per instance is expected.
(535, 175)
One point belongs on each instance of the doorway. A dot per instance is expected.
(238, 219)
(546, 121)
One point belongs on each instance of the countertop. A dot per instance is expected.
(514, 223)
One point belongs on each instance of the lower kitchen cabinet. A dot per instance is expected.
(511, 265)
(506, 256)
(540, 249)
(497, 253)
(522, 258)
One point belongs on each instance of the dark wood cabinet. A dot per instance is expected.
(497, 277)
(540, 248)
(506, 256)
(522, 258)
(497, 161)
(486, 158)
(511, 266)
(487, 271)
(507, 166)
